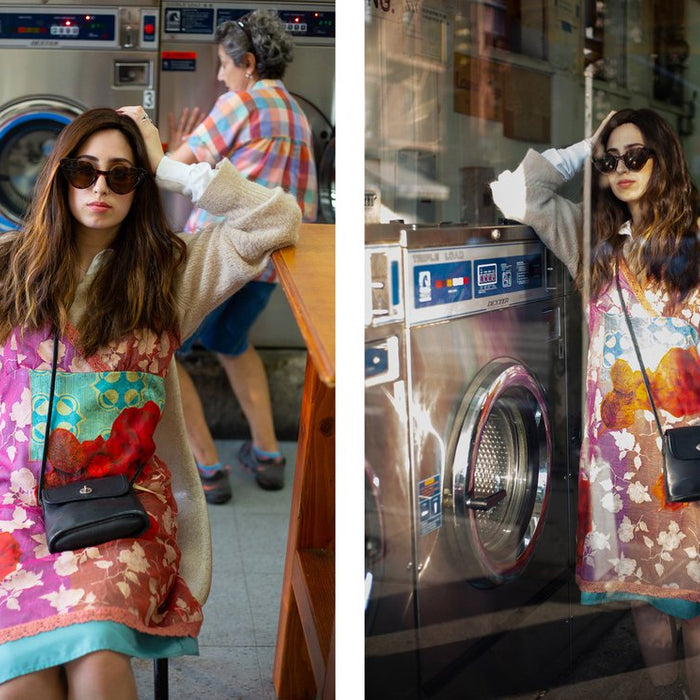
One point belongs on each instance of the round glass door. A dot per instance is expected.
(501, 469)
(28, 131)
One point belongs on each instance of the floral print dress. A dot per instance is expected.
(106, 410)
(113, 413)
(631, 542)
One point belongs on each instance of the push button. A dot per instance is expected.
(149, 28)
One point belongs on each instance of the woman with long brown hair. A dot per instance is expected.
(632, 543)
(97, 271)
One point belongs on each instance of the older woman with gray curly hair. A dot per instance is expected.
(261, 129)
(261, 34)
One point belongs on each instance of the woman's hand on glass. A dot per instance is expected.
(180, 129)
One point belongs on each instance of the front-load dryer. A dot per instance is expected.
(489, 426)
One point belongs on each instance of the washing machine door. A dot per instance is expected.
(28, 130)
(501, 469)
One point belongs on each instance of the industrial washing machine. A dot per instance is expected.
(473, 321)
(60, 58)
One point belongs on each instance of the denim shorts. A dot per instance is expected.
(225, 330)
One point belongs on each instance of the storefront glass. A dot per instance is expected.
(475, 344)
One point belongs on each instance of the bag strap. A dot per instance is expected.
(637, 350)
(49, 412)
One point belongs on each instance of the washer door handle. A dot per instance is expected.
(486, 503)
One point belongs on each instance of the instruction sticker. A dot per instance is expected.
(429, 504)
(179, 61)
(189, 20)
(515, 273)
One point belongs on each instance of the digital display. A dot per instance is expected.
(309, 23)
(57, 26)
(486, 274)
(306, 23)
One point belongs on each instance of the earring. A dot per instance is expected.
(248, 75)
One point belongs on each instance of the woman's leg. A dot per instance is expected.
(657, 637)
(691, 645)
(102, 675)
(48, 684)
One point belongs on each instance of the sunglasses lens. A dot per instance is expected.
(123, 180)
(636, 158)
(80, 175)
(606, 164)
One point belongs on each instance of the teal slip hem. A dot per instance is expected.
(675, 607)
(64, 644)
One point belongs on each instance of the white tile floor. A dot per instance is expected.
(237, 641)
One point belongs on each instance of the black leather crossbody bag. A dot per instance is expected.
(91, 511)
(680, 446)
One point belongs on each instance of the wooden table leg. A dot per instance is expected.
(311, 526)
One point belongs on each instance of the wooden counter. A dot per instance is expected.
(304, 664)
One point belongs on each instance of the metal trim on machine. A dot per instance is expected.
(374, 536)
(501, 468)
(19, 121)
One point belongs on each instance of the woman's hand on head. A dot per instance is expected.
(151, 137)
(601, 126)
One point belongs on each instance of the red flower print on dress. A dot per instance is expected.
(9, 554)
(675, 386)
(129, 445)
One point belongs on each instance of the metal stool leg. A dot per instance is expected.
(160, 679)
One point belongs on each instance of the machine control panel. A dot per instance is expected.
(38, 25)
(102, 28)
(447, 282)
(198, 21)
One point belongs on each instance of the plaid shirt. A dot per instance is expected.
(267, 137)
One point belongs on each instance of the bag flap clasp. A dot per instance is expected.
(88, 489)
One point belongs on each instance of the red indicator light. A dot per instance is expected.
(439, 284)
(67, 23)
(297, 19)
(149, 28)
